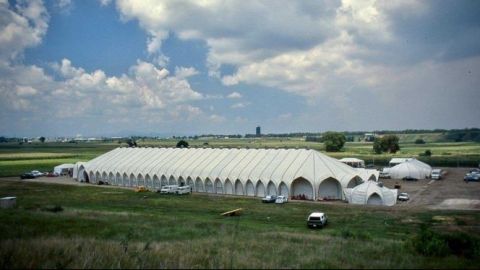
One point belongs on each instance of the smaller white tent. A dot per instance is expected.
(353, 162)
(411, 168)
(395, 161)
(372, 193)
(63, 168)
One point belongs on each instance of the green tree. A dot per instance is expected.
(419, 141)
(377, 146)
(334, 141)
(388, 143)
(182, 144)
(42, 139)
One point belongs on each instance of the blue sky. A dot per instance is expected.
(190, 67)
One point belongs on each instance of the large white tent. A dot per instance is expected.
(411, 168)
(250, 172)
(371, 192)
(353, 162)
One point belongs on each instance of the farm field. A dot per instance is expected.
(60, 226)
(16, 159)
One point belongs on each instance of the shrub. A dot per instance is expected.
(429, 243)
(419, 141)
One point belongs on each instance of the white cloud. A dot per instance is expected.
(234, 95)
(185, 72)
(239, 105)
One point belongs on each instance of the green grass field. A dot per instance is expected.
(16, 159)
(118, 228)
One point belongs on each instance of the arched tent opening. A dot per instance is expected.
(249, 188)
(181, 181)
(171, 180)
(86, 177)
(190, 182)
(238, 188)
(271, 188)
(375, 199)
(302, 189)
(125, 180)
(199, 185)
(140, 180)
(111, 179)
(104, 177)
(260, 190)
(133, 180)
(163, 181)
(91, 176)
(208, 186)
(156, 183)
(330, 188)
(228, 187)
(355, 181)
(98, 177)
(218, 186)
(148, 182)
(119, 179)
(283, 189)
(82, 175)
(372, 178)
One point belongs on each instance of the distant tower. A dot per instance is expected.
(258, 133)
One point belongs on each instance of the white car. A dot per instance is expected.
(437, 174)
(403, 196)
(317, 220)
(281, 199)
(170, 189)
(183, 190)
(37, 173)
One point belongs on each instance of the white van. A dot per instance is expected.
(171, 189)
(183, 190)
(437, 174)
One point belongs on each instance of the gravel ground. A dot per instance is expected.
(449, 193)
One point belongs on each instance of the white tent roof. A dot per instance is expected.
(411, 168)
(276, 165)
(351, 160)
(399, 160)
(371, 193)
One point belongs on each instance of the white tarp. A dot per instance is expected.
(371, 193)
(411, 168)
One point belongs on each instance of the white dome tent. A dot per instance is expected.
(247, 172)
(411, 168)
(372, 193)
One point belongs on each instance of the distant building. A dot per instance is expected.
(370, 137)
(258, 132)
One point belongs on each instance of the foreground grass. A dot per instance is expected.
(118, 228)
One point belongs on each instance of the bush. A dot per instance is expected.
(388, 143)
(429, 243)
(334, 141)
(419, 141)
(182, 144)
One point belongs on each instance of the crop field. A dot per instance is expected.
(16, 159)
(60, 226)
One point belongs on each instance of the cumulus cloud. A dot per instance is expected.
(234, 95)
(239, 105)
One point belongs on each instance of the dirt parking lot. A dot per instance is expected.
(451, 192)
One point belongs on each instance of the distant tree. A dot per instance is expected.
(419, 141)
(3, 139)
(387, 143)
(334, 141)
(131, 143)
(182, 144)
(42, 139)
(428, 153)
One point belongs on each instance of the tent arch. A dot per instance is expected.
(82, 175)
(260, 189)
(133, 180)
(119, 179)
(249, 188)
(157, 184)
(209, 186)
(171, 180)
(199, 187)
(163, 181)
(218, 186)
(98, 177)
(271, 188)
(330, 188)
(125, 180)
(228, 187)
(111, 179)
(301, 187)
(140, 180)
(181, 181)
(373, 177)
(239, 187)
(283, 189)
(375, 199)
(355, 181)
(190, 182)
(148, 182)
(105, 177)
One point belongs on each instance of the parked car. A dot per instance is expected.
(183, 190)
(281, 199)
(171, 189)
(437, 174)
(403, 196)
(472, 177)
(28, 175)
(409, 178)
(269, 199)
(52, 174)
(37, 173)
(317, 220)
(384, 174)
